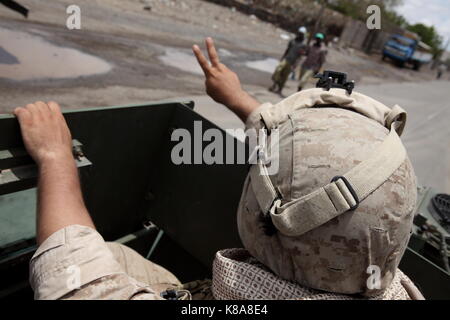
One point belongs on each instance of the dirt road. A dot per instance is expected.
(147, 52)
(426, 137)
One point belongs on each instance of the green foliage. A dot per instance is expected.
(357, 9)
(429, 35)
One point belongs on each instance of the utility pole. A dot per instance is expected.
(437, 61)
(13, 5)
(445, 48)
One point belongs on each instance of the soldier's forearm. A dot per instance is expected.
(60, 201)
(244, 105)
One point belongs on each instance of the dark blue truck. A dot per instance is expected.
(406, 50)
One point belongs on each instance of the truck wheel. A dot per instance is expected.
(383, 58)
(401, 64)
(417, 66)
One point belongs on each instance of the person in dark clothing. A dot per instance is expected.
(441, 70)
(315, 58)
(296, 48)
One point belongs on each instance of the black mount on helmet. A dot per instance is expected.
(332, 79)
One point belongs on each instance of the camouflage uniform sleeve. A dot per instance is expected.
(254, 120)
(290, 44)
(75, 263)
(264, 116)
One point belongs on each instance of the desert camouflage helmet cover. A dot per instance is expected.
(326, 234)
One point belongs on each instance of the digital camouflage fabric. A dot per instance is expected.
(317, 143)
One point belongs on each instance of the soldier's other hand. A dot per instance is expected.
(222, 84)
(45, 132)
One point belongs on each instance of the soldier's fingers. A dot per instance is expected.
(42, 107)
(22, 114)
(40, 104)
(212, 52)
(54, 107)
(203, 62)
(33, 110)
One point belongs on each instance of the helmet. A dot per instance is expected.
(338, 213)
(302, 30)
(319, 36)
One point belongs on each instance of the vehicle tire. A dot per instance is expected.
(383, 58)
(417, 66)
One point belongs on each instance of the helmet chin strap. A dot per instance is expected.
(342, 194)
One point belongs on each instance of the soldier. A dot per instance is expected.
(441, 70)
(307, 235)
(315, 59)
(296, 48)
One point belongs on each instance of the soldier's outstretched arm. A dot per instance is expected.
(72, 261)
(48, 141)
(222, 84)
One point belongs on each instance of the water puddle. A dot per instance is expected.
(181, 60)
(27, 57)
(267, 65)
(186, 61)
(225, 53)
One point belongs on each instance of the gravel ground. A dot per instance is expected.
(136, 42)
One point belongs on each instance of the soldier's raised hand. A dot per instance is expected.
(222, 84)
(45, 133)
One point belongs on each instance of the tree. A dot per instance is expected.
(391, 4)
(429, 35)
(352, 8)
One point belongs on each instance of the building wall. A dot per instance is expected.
(354, 34)
(357, 35)
(289, 15)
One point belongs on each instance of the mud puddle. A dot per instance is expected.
(28, 57)
(185, 60)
